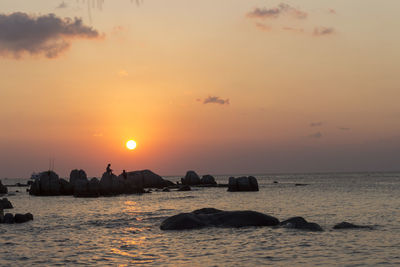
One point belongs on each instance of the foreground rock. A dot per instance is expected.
(3, 188)
(208, 180)
(210, 217)
(5, 204)
(21, 218)
(242, 184)
(301, 223)
(47, 184)
(191, 178)
(146, 179)
(347, 225)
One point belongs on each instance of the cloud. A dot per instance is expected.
(332, 11)
(263, 27)
(316, 124)
(290, 29)
(62, 5)
(215, 100)
(316, 135)
(321, 31)
(123, 73)
(344, 128)
(276, 12)
(46, 35)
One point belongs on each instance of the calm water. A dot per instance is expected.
(125, 230)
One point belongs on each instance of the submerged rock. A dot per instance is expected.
(184, 188)
(3, 188)
(300, 223)
(347, 225)
(209, 217)
(243, 184)
(191, 178)
(21, 218)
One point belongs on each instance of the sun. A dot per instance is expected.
(131, 145)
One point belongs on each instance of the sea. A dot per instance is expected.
(125, 230)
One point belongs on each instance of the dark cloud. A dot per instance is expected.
(45, 35)
(276, 12)
(316, 135)
(344, 128)
(215, 100)
(321, 31)
(316, 124)
(62, 5)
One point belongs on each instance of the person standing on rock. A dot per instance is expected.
(108, 169)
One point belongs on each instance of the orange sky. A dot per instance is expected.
(215, 86)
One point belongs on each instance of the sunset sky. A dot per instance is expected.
(216, 86)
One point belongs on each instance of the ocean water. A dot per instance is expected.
(124, 230)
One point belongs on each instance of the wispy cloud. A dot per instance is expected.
(276, 12)
(316, 124)
(332, 11)
(123, 73)
(215, 100)
(316, 135)
(62, 5)
(321, 31)
(291, 29)
(263, 27)
(46, 35)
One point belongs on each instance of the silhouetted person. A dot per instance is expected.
(124, 174)
(108, 169)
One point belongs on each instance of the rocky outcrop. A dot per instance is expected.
(347, 225)
(5, 204)
(242, 184)
(3, 188)
(210, 217)
(21, 218)
(208, 180)
(66, 188)
(300, 223)
(47, 184)
(191, 178)
(8, 218)
(184, 188)
(146, 179)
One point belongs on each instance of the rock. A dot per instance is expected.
(242, 184)
(47, 184)
(191, 178)
(8, 218)
(94, 187)
(347, 225)
(300, 184)
(21, 218)
(184, 188)
(3, 188)
(77, 175)
(209, 217)
(146, 179)
(131, 186)
(66, 188)
(108, 184)
(5, 204)
(300, 223)
(166, 189)
(208, 179)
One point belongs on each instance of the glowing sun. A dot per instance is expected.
(131, 145)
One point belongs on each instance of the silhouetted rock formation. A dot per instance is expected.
(300, 223)
(5, 204)
(147, 179)
(209, 217)
(242, 184)
(3, 188)
(347, 225)
(191, 178)
(21, 218)
(48, 184)
(208, 180)
(8, 218)
(184, 188)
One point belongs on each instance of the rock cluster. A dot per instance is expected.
(192, 178)
(49, 184)
(242, 184)
(3, 188)
(8, 217)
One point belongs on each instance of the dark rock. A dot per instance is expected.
(5, 204)
(94, 187)
(210, 217)
(166, 189)
(66, 188)
(191, 178)
(47, 184)
(184, 188)
(21, 218)
(3, 188)
(8, 218)
(30, 183)
(242, 184)
(300, 223)
(208, 179)
(275, 182)
(77, 175)
(147, 179)
(300, 184)
(347, 225)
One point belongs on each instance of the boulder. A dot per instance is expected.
(209, 217)
(131, 186)
(191, 178)
(21, 218)
(5, 204)
(347, 225)
(166, 189)
(300, 223)
(184, 188)
(66, 188)
(208, 179)
(94, 187)
(108, 184)
(3, 188)
(47, 184)
(146, 179)
(76, 175)
(242, 184)
(8, 218)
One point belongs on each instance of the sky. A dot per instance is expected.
(215, 86)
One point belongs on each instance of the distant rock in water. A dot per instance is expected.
(21, 218)
(242, 184)
(5, 204)
(184, 188)
(208, 179)
(3, 188)
(300, 223)
(191, 178)
(347, 225)
(210, 217)
(147, 179)
(47, 184)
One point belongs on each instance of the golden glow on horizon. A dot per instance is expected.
(131, 145)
